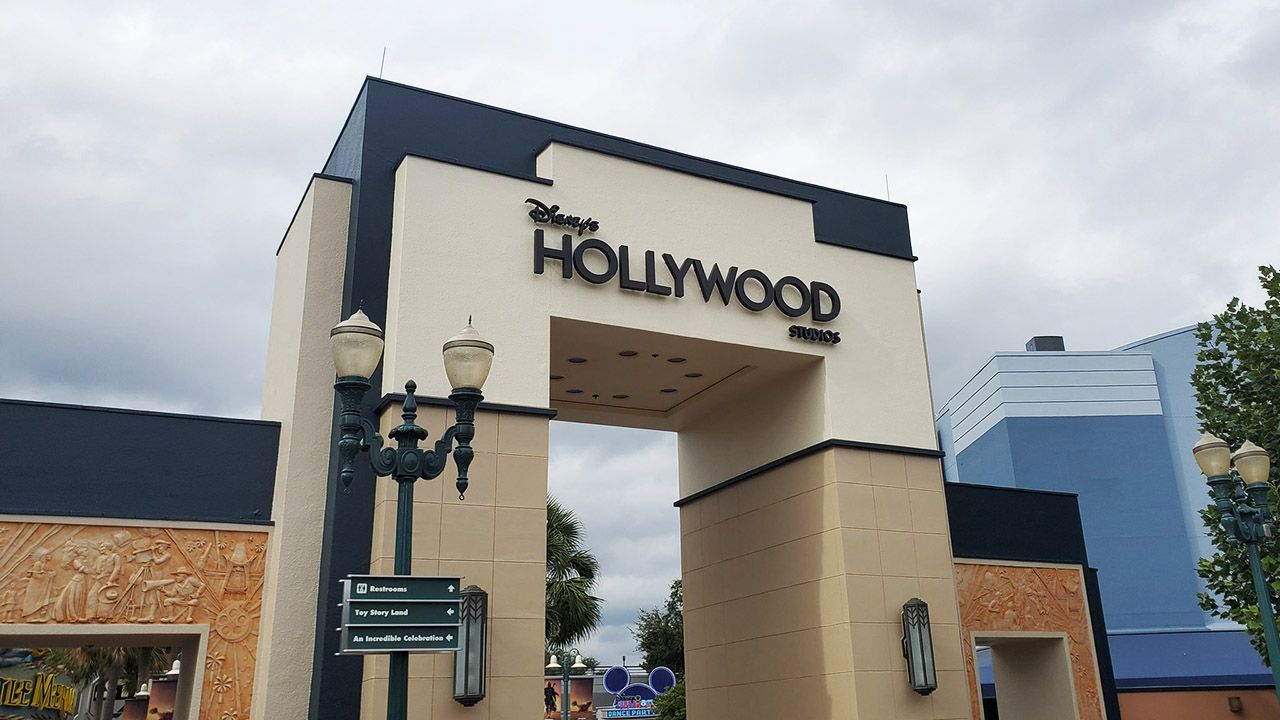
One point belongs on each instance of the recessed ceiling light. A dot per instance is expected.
(693, 375)
(577, 360)
(628, 353)
(574, 391)
(621, 397)
(557, 377)
(675, 360)
(668, 390)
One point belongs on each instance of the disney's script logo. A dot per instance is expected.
(552, 216)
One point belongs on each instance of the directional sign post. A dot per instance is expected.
(400, 613)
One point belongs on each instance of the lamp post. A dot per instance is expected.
(564, 677)
(357, 348)
(1246, 516)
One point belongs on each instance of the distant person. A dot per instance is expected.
(549, 696)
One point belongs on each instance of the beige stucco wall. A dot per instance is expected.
(794, 582)
(830, 546)
(462, 246)
(307, 303)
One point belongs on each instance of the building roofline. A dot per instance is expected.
(146, 413)
(1153, 338)
(370, 79)
(1005, 488)
(946, 406)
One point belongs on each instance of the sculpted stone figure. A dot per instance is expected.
(182, 596)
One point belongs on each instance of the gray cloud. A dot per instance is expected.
(1100, 170)
(622, 484)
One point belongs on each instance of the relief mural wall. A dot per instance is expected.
(1031, 599)
(58, 574)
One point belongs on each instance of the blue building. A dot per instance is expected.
(1115, 428)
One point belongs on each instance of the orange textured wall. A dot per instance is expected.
(1011, 598)
(53, 573)
(1199, 705)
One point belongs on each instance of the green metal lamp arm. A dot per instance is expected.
(405, 461)
(1223, 489)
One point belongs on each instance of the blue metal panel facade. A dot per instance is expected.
(1174, 356)
(987, 460)
(1120, 468)
(1139, 489)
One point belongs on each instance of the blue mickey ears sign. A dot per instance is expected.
(618, 681)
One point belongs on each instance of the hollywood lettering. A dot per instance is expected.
(751, 288)
(545, 215)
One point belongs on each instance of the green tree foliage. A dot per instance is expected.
(1237, 384)
(659, 632)
(105, 668)
(572, 611)
(670, 704)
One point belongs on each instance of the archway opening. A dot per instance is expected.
(175, 690)
(1032, 676)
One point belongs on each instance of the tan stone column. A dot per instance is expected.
(795, 578)
(298, 392)
(495, 538)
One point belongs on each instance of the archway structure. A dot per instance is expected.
(775, 325)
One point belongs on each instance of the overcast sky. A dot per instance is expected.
(1100, 170)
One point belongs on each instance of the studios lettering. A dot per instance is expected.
(597, 262)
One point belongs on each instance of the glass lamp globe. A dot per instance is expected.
(1253, 463)
(357, 346)
(467, 359)
(1213, 455)
(554, 664)
(577, 663)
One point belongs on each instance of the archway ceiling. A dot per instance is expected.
(596, 369)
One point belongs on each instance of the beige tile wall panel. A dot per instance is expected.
(496, 538)
(297, 393)
(794, 583)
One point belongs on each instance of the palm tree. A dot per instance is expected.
(105, 668)
(572, 611)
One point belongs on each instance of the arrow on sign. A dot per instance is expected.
(450, 611)
(450, 588)
(449, 638)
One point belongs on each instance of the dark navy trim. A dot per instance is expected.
(131, 411)
(136, 517)
(817, 447)
(390, 398)
(1101, 644)
(1013, 524)
(302, 199)
(636, 143)
(136, 464)
(639, 158)
(1199, 683)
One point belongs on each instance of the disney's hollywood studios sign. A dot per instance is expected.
(663, 274)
